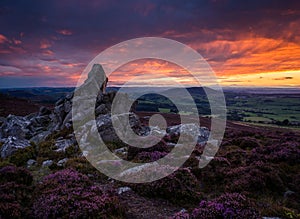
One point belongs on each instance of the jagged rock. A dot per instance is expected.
(59, 111)
(156, 131)
(92, 83)
(103, 122)
(67, 121)
(101, 109)
(202, 133)
(67, 106)
(16, 126)
(40, 137)
(99, 99)
(60, 102)
(11, 145)
(47, 163)
(62, 144)
(44, 111)
(106, 129)
(84, 153)
(39, 122)
(62, 162)
(69, 96)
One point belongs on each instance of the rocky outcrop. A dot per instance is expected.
(201, 133)
(12, 144)
(17, 132)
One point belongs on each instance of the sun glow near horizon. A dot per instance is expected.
(154, 72)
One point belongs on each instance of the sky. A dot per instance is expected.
(247, 43)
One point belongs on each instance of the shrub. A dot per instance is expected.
(46, 151)
(81, 165)
(180, 186)
(160, 146)
(248, 143)
(68, 193)
(150, 156)
(21, 156)
(259, 177)
(288, 152)
(229, 205)
(15, 190)
(16, 175)
(181, 215)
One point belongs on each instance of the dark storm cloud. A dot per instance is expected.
(43, 38)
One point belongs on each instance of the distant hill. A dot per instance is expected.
(16, 106)
(44, 95)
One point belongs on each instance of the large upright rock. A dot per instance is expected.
(96, 80)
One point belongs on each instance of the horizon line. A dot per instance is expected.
(142, 86)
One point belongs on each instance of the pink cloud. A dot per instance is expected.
(45, 44)
(3, 39)
(65, 32)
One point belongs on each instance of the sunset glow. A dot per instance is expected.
(249, 44)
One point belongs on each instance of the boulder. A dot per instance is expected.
(16, 126)
(11, 145)
(62, 162)
(123, 189)
(47, 163)
(191, 129)
(31, 163)
(62, 144)
(40, 137)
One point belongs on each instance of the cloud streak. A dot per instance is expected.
(52, 41)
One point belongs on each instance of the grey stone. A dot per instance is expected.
(11, 145)
(288, 193)
(62, 162)
(121, 151)
(42, 120)
(68, 119)
(69, 96)
(67, 106)
(101, 109)
(123, 189)
(59, 102)
(44, 111)
(47, 163)
(63, 144)
(31, 163)
(103, 122)
(92, 83)
(38, 138)
(16, 126)
(191, 129)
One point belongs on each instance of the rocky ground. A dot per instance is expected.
(44, 173)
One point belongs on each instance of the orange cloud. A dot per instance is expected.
(252, 55)
(152, 72)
